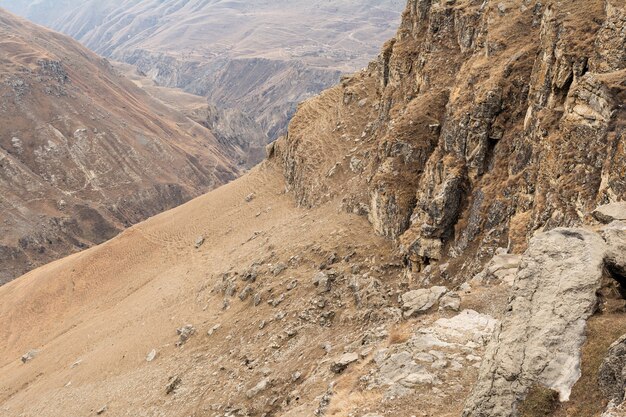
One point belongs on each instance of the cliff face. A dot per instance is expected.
(479, 124)
(84, 153)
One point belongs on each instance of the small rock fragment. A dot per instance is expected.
(151, 355)
(278, 268)
(450, 301)
(199, 242)
(261, 386)
(102, 410)
(172, 384)
(213, 329)
(610, 212)
(250, 197)
(419, 301)
(30, 355)
(184, 334)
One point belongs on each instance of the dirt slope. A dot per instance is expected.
(84, 152)
(109, 306)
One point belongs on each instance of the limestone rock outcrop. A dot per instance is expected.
(540, 338)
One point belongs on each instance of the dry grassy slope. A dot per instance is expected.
(84, 152)
(110, 305)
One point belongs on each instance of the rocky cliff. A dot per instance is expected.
(480, 124)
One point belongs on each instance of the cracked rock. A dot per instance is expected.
(418, 301)
(543, 329)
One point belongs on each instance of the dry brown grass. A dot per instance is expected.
(399, 334)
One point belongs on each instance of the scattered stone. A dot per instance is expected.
(356, 165)
(102, 410)
(343, 362)
(419, 301)
(75, 364)
(245, 293)
(276, 301)
(184, 334)
(213, 329)
(296, 376)
(151, 355)
(323, 281)
(278, 268)
(610, 212)
(199, 242)
(173, 383)
(327, 347)
(325, 400)
(292, 285)
(258, 388)
(251, 274)
(30, 355)
(257, 299)
(250, 197)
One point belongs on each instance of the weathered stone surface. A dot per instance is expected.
(343, 362)
(173, 383)
(541, 334)
(184, 333)
(418, 301)
(432, 355)
(502, 267)
(614, 235)
(450, 301)
(610, 212)
(258, 388)
(612, 374)
(151, 355)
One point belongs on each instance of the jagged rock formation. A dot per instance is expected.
(242, 55)
(480, 123)
(480, 130)
(84, 153)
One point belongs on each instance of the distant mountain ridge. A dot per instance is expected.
(258, 57)
(84, 152)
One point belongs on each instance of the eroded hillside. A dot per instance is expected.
(424, 242)
(84, 153)
(256, 57)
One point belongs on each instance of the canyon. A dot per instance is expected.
(258, 58)
(442, 233)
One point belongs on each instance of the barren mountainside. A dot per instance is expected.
(257, 57)
(85, 153)
(441, 234)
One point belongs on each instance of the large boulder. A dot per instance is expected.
(543, 329)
